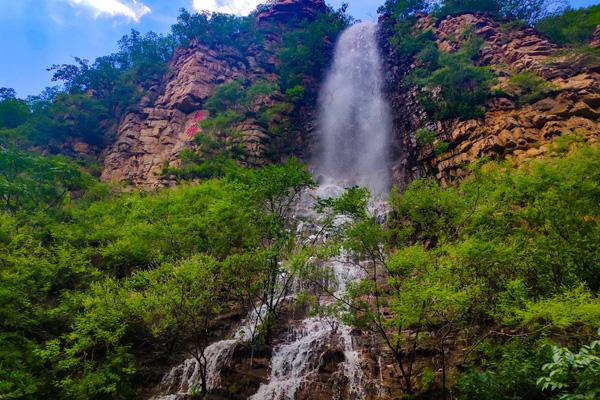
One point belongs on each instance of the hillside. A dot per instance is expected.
(297, 205)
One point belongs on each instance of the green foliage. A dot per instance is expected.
(296, 94)
(400, 18)
(449, 7)
(115, 80)
(307, 51)
(29, 181)
(402, 9)
(505, 247)
(425, 136)
(213, 29)
(94, 291)
(572, 27)
(524, 10)
(219, 141)
(13, 111)
(573, 375)
(573, 307)
(441, 147)
(503, 372)
(527, 87)
(454, 86)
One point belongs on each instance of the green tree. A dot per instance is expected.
(29, 181)
(185, 300)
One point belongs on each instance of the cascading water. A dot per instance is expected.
(354, 118)
(354, 125)
(354, 131)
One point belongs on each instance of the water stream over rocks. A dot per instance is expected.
(354, 127)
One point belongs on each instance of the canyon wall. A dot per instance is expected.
(153, 134)
(508, 130)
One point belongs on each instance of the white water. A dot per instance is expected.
(354, 119)
(185, 379)
(354, 126)
(295, 363)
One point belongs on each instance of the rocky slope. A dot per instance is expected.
(164, 123)
(508, 130)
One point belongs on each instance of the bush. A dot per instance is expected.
(441, 147)
(573, 376)
(454, 86)
(503, 372)
(527, 87)
(573, 27)
(306, 52)
(425, 136)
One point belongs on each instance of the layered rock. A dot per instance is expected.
(508, 130)
(165, 122)
(152, 136)
(595, 42)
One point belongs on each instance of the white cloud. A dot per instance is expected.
(237, 7)
(131, 9)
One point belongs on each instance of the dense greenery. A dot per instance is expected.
(99, 289)
(307, 51)
(511, 250)
(95, 291)
(454, 85)
(573, 27)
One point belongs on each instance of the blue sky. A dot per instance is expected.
(34, 34)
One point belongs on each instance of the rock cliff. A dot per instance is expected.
(508, 130)
(164, 123)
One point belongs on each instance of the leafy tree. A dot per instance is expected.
(306, 51)
(215, 30)
(13, 111)
(29, 181)
(185, 300)
(276, 188)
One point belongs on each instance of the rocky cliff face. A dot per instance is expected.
(165, 122)
(508, 130)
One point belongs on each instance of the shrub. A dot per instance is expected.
(424, 136)
(307, 51)
(571, 375)
(573, 27)
(441, 147)
(454, 86)
(527, 87)
(503, 372)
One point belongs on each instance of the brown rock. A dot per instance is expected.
(156, 133)
(595, 42)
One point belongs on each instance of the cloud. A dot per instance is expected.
(131, 9)
(237, 7)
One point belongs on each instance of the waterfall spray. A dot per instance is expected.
(354, 119)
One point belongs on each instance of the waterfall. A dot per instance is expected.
(354, 119)
(354, 131)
